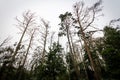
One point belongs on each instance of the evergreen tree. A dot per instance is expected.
(54, 67)
(111, 52)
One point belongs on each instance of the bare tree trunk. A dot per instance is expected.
(22, 66)
(84, 18)
(28, 19)
(44, 45)
(51, 39)
(44, 35)
(72, 55)
(83, 62)
(31, 39)
(19, 43)
(88, 52)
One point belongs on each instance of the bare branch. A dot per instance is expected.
(5, 41)
(92, 20)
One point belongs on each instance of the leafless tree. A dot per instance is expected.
(32, 33)
(84, 18)
(28, 20)
(29, 45)
(44, 34)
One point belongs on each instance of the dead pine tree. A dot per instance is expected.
(84, 17)
(44, 31)
(32, 33)
(28, 19)
(29, 45)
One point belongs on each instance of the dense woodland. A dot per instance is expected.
(37, 56)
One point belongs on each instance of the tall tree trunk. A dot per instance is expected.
(22, 66)
(83, 62)
(31, 39)
(19, 44)
(44, 45)
(72, 55)
(46, 25)
(88, 51)
(27, 19)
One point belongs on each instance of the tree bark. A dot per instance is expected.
(88, 51)
(72, 54)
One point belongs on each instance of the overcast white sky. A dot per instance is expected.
(49, 10)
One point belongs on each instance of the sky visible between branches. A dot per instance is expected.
(50, 11)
